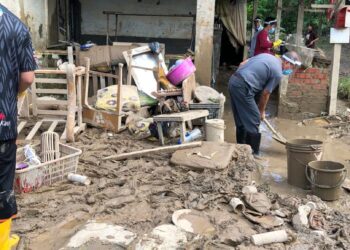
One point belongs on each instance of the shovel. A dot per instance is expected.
(277, 135)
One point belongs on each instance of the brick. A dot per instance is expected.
(315, 81)
(320, 86)
(308, 81)
(309, 76)
(294, 80)
(300, 75)
(321, 76)
(295, 93)
(324, 82)
(313, 70)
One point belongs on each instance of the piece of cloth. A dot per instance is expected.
(232, 15)
(309, 37)
(107, 98)
(8, 206)
(245, 110)
(253, 42)
(262, 72)
(263, 43)
(16, 56)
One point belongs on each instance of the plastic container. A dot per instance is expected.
(192, 136)
(181, 72)
(213, 108)
(79, 178)
(34, 177)
(299, 153)
(237, 205)
(270, 237)
(326, 178)
(215, 130)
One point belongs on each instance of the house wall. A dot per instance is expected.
(94, 21)
(33, 15)
(307, 92)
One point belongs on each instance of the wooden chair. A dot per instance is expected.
(65, 86)
(93, 81)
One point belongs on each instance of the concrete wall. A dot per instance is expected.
(307, 92)
(94, 22)
(33, 13)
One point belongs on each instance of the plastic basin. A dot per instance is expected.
(181, 72)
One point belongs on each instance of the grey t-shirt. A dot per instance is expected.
(261, 72)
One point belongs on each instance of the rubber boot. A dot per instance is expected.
(254, 141)
(241, 135)
(7, 241)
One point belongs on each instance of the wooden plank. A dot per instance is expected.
(94, 84)
(102, 82)
(204, 40)
(21, 126)
(181, 117)
(53, 126)
(110, 81)
(322, 6)
(79, 101)
(53, 119)
(52, 112)
(188, 87)
(70, 55)
(52, 91)
(119, 96)
(333, 88)
(255, 13)
(279, 19)
(314, 11)
(102, 74)
(64, 134)
(51, 80)
(300, 22)
(50, 71)
(34, 130)
(72, 102)
(51, 102)
(151, 151)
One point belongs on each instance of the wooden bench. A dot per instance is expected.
(180, 118)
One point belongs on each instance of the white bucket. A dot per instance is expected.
(214, 130)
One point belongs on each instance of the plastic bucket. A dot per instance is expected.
(299, 153)
(215, 130)
(181, 72)
(326, 177)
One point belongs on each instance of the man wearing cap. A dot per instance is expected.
(258, 27)
(263, 43)
(250, 88)
(17, 64)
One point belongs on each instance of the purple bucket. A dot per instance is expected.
(181, 72)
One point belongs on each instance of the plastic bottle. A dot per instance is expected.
(191, 136)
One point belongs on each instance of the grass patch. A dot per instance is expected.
(344, 87)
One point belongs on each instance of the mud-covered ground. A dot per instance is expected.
(141, 194)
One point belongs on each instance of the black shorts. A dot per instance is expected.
(8, 207)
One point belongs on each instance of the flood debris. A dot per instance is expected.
(103, 232)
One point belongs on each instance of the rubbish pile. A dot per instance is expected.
(158, 205)
(151, 89)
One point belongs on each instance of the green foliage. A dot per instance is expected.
(290, 15)
(344, 87)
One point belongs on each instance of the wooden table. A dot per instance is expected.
(180, 118)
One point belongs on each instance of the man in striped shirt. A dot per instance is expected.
(17, 65)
